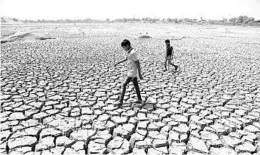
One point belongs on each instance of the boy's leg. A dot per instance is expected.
(165, 64)
(175, 66)
(127, 80)
(137, 89)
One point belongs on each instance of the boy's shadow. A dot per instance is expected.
(144, 105)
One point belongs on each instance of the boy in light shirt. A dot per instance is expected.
(133, 69)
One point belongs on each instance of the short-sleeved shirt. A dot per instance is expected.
(169, 51)
(131, 66)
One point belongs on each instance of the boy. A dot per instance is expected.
(133, 68)
(169, 55)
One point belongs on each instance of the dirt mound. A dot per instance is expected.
(145, 37)
(179, 37)
(26, 36)
(6, 33)
(8, 20)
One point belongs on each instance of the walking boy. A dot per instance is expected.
(133, 69)
(169, 55)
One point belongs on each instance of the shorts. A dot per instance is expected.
(168, 57)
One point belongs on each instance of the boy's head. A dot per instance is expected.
(167, 41)
(126, 45)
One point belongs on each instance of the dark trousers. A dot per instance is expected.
(126, 82)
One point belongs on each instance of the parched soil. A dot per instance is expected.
(58, 96)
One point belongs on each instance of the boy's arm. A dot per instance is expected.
(137, 63)
(121, 62)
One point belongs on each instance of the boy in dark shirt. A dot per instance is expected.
(169, 55)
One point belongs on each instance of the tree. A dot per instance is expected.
(175, 20)
(180, 21)
(169, 20)
(224, 20)
(241, 19)
(233, 20)
(16, 20)
(251, 19)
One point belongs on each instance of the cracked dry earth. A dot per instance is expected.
(57, 97)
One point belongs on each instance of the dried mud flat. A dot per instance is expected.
(58, 95)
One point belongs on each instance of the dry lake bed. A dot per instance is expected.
(59, 86)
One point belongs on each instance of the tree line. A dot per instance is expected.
(240, 20)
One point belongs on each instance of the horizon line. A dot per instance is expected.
(128, 18)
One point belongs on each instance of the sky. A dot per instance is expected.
(113, 9)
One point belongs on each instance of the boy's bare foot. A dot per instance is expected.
(176, 68)
(139, 101)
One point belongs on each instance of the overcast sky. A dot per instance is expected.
(102, 9)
